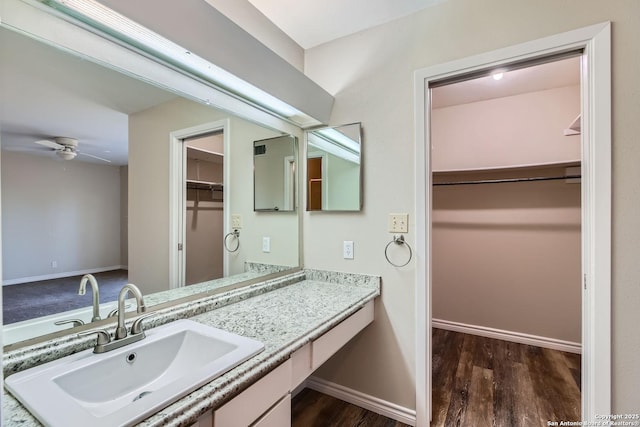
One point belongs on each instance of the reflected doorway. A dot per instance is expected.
(198, 212)
(203, 207)
(314, 183)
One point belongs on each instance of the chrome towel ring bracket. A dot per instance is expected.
(235, 233)
(398, 240)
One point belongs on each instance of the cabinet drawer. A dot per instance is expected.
(248, 406)
(278, 416)
(329, 343)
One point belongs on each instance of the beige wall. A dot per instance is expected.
(149, 193)
(343, 184)
(371, 75)
(524, 129)
(280, 227)
(63, 211)
(507, 256)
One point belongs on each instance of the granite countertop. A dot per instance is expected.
(284, 319)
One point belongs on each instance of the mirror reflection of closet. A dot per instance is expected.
(334, 172)
(274, 162)
(204, 212)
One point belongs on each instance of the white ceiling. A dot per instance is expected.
(532, 79)
(48, 93)
(311, 23)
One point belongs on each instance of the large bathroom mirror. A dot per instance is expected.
(334, 170)
(274, 169)
(106, 209)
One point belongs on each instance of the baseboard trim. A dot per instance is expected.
(517, 337)
(365, 401)
(61, 275)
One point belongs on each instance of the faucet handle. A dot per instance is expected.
(104, 337)
(136, 327)
(75, 322)
(104, 340)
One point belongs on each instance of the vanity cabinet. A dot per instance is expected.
(278, 416)
(251, 404)
(267, 403)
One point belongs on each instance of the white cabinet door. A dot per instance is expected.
(249, 405)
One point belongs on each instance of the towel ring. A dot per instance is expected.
(236, 234)
(398, 240)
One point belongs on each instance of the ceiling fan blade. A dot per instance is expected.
(26, 149)
(50, 144)
(95, 157)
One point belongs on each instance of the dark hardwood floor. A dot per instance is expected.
(480, 381)
(313, 409)
(477, 382)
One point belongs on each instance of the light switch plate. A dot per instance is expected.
(347, 249)
(266, 244)
(236, 221)
(398, 223)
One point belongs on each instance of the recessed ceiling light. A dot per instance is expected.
(497, 75)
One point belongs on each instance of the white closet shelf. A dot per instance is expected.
(204, 185)
(575, 128)
(206, 155)
(569, 172)
(510, 168)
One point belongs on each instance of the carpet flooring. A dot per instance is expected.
(36, 299)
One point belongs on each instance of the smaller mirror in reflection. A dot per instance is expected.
(274, 162)
(334, 173)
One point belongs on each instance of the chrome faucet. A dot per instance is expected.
(96, 294)
(121, 337)
(121, 331)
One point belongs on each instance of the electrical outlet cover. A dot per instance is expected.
(236, 221)
(398, 223)
(347, 249)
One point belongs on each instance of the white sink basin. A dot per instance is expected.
(126, 385)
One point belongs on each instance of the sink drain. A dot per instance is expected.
(141, 395)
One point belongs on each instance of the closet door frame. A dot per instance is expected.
(177, 177)
(595, 41)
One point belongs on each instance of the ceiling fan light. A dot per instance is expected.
(66, 154)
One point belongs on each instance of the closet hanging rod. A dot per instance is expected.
(200, 185)
(500, 181)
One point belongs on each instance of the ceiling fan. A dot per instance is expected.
(66, 148)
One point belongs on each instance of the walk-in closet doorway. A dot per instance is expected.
(595, 141)
(506, 245)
